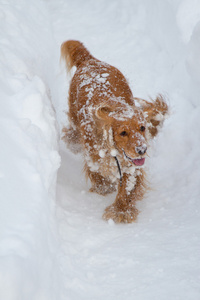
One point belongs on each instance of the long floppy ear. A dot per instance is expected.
(102, 112)
(155, 113)
(102, 119)
(104, 131)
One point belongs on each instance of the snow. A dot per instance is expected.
(102, 153)
(53, 242)
(29, 157)
(113, 152)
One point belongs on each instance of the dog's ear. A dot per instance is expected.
(155, 113)
(103, 130)
(102, 112)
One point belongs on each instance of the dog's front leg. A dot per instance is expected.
(100, 184)
(131, 190)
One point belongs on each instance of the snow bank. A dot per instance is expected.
(28, 154)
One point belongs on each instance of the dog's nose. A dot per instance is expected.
(141, 149)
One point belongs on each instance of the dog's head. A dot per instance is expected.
(124, 129)
(127, 128)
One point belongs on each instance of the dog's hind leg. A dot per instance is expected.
(71, 135)
(72, 138)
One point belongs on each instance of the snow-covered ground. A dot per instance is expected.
(54, 244)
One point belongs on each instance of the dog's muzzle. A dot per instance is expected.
(136, 161)
(141, 149)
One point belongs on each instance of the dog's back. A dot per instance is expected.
(101, 81)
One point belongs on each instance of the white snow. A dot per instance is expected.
(102, 153)
(113, 152)
(53, 242)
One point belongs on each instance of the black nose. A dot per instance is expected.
(141, 149)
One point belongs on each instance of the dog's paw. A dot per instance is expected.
(119, 216)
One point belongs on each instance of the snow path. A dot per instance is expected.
(61, 249)
(157, 257)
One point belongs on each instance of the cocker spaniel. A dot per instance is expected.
(112, 129)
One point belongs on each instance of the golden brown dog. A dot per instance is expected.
(111, 130)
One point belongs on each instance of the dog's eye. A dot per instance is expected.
(123, 133)
(142, 128)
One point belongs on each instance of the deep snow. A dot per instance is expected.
(53, 241)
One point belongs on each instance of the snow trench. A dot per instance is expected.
(54, 244)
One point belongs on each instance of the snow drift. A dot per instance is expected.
(29, 158)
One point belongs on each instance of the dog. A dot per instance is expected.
(112, 129)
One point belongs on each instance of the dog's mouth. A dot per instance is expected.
(136, 161)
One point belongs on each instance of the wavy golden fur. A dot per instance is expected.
(110, 129)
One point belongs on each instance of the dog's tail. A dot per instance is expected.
(74, 53)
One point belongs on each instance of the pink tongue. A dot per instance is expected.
(139, 162)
